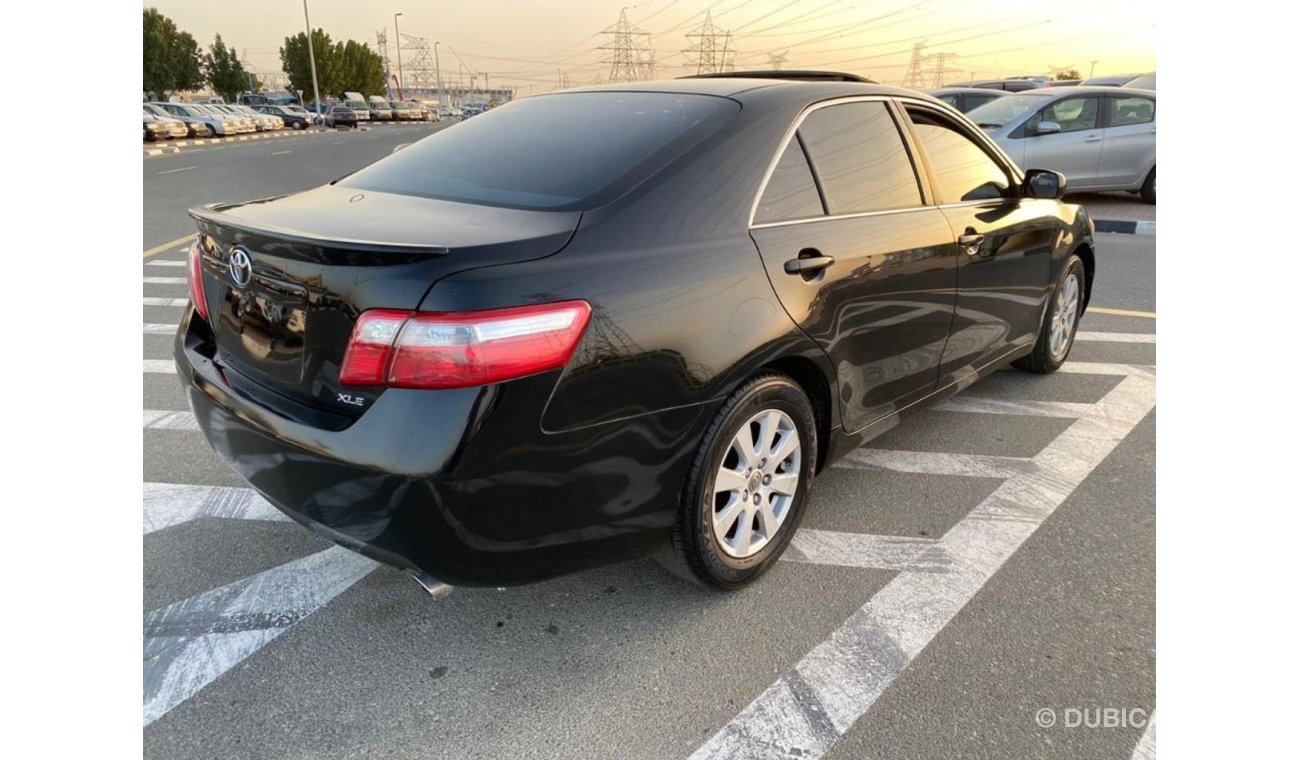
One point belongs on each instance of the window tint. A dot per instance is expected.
(975, 101)
(568, 150)
(859, 156)
(949, 98)
(1131, 111)
(963, 170)
(791, 192)
(1073, 114)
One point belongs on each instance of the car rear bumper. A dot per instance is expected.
(460, 484)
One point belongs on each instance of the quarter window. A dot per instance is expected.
(964, 171)
(858, 155)
(791, 192)
(1125, 111)
(1073, 114)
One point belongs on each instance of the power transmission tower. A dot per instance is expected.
(938, 71)
(712, 54)
(915, 77)
(630, 56)
(776, 60)
(419, 70)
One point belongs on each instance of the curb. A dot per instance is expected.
(175, 145)
(1126, 226)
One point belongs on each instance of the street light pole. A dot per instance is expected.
(1092, 68)
(311, 56)
(437, 72)
(400, 94)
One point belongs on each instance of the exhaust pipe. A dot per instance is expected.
(435, 588)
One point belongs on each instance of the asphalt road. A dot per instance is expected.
(987, 560)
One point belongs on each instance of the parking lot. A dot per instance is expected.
(987, 560)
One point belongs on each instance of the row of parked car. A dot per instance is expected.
(1101, 136)
(354, 110)
(167, 121)
(1145, 81)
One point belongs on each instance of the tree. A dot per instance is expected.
(225, 72)
(1067, 74)
(171, 57)
(361, 69)
(297, 65)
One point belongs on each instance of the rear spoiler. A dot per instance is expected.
(212, 214)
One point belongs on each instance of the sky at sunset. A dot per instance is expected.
(528, 43)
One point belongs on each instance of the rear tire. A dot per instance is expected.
(1148, 191)
(1060, 323)
(739, 512)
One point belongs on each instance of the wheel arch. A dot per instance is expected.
(815, 384)
(1086, 254)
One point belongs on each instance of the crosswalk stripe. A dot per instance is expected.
(1146, 746)
(935, 463)
(809, 707)
(164, 281)
(1110, 337)
(160, 366)
(191, 643)
(155, 419)
(156, 301)
(165, 263)
(168, 504)
(158, 329)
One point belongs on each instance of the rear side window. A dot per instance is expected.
(975, 101)
(963, 170)
(1125, 111)
(568, 151)
(791, 192)
(858, 155)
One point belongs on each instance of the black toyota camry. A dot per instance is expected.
(622, 321)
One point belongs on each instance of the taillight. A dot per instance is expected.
(196, 281)
(411, 349)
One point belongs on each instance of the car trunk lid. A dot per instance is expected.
(286, 278)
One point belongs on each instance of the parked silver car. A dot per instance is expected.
(1100, 138)
(216, 125)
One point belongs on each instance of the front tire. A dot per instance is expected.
(1060, 323)
(748, 486)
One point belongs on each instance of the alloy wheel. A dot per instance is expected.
(1065, 312)
(756, 483)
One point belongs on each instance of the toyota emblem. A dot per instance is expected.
(241, 267)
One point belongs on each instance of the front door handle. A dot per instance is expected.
(809, 265)
(970, 243)
(1092, 138)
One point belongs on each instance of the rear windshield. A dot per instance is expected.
(569, 151)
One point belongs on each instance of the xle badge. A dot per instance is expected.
(348, 398)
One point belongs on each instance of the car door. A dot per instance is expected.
(1075, 151)
(1005, 242)
(1129, 147)
(858, 259)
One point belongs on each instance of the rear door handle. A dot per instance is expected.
(809, 265)
(970, 243)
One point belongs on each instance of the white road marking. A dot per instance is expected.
(1001, 406)
(155, 301)
(281, 152)
(160, 366)
(935, 463)
(168, 504)
(157, 329)
(189, 644)
(182, 169)
(830, 547)
(155, 263)
(1146, 746)
(164, 280)
(156, 419)
(1110, 337)
(811, 706)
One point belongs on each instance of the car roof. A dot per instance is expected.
(1081, 89)
(971, 90)
(731, 87)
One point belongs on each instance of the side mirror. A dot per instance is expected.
(1047, 128)
(1044, 183)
